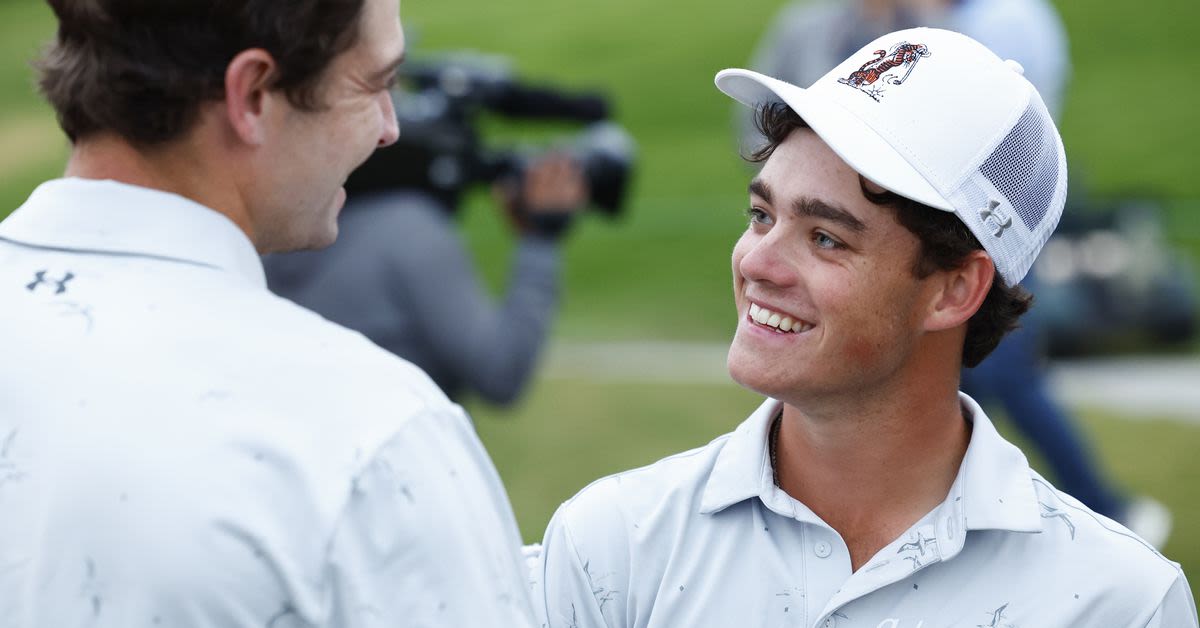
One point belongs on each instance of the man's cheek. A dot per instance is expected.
(863, 350)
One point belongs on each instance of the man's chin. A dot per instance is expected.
(324, 237)
(327, 239)
(753, 373)
(741, 370)
(312, 241)
(328, 233)
(339, 200)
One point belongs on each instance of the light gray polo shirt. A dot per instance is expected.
(179, 448)
(705, 538)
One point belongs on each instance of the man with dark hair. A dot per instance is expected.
(178, 447)
(902, 198)
(805, 39)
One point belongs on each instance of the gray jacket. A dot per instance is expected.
(400, 274)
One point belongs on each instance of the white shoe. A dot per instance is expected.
(1148, 518)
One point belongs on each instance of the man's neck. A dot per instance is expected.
(873, 466)
(179, 167)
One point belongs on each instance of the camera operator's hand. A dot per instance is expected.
(552, 191)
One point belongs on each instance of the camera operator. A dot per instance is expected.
(401, 274)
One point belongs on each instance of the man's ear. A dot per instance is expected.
(960, 292)
(248, 79)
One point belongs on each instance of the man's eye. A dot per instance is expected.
(758, 216)
(823, 240)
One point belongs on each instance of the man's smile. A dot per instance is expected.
(780, 322)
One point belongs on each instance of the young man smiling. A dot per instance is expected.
(903, 197)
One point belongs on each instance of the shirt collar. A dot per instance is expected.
(743, 467)
(109, 217)
(993, 488)
(995, 483)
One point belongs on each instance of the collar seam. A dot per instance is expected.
(106, 253)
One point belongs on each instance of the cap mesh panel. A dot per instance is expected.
(1024, 167)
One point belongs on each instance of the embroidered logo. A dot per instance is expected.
(997, 617)
(915, 550)
(1050, 512)
(40, 278)
(994, 218)
(901, 57)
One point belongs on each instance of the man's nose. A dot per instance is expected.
(770, 259)
(391, 126)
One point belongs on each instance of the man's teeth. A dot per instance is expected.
(763, 316)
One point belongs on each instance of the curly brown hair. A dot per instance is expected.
(945, 243)
(141, 68)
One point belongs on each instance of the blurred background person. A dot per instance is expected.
(401, 273)
(806, 39)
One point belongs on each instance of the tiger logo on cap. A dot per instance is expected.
(903, 55)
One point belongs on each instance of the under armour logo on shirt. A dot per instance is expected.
(998, 221)
(40, 278)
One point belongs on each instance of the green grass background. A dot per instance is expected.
(663, 271)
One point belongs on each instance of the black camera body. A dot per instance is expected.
(440, 150)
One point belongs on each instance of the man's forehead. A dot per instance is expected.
(380, 45)
(381, 28)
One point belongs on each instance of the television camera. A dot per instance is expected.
(440, 150)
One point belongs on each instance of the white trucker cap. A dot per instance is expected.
(936, 117)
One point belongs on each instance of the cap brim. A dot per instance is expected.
(853, 140)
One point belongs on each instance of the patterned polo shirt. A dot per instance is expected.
(705, 538)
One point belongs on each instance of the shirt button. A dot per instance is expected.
(822, 550)
(829, 622)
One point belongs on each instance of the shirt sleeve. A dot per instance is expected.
(427, 537)
(568, 597)
(1177, 609)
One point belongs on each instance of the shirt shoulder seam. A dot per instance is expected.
(1099, 522)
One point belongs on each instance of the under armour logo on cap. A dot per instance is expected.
(993, 218)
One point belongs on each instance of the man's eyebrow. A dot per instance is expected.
(820, 209)
(812, 207)
(759, 188)
(384, 73)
